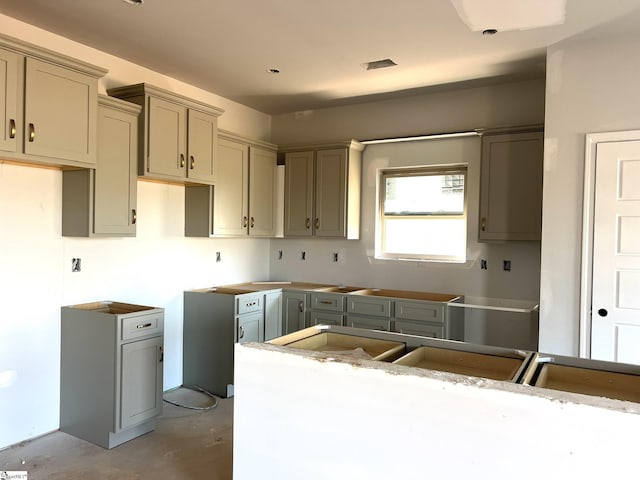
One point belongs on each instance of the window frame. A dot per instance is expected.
(380, 224)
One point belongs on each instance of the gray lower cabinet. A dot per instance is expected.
(294, 311)
(213, 323)
(327, 308)
(272, 315)
(111, 364)
(370, 323)
(421, 329)
(325, 318)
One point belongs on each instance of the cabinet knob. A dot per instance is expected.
(134, 216)
(483, 224)
(253, 222)
(245, 221)
(240, 332)
(32, 132)
(12, 128)
(182, 160)
(192, 162)
(307, 224)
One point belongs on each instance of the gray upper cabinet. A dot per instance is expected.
(178, 135)
(49, 106)
(102, 202)
(9, 101)
(243, 201)
(511, 186)
(322, 190)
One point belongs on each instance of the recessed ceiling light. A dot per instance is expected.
(387, 62)
(508, 15)
(134, 2)
(489, 31)
(273, 71)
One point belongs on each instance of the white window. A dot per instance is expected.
(422, 214)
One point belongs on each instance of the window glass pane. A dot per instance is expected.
(424, 195)
(430, 236)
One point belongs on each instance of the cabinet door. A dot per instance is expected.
(369, 323)
(511, 187)
(330, 193)
(230, 207)
(262, 192)
(115, 178)
(8, 100)
(141, 381)
(298, 194)
(294, 307)
(166, 155)
(418, 328)
(325, 318)
(250, 328)
(202, 146)
(60, 113)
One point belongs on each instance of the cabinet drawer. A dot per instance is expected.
(248, 304)
(327, 301)
(428, 312)
(418, 328)
(324, 318)
(369, 323)
(142, 326)
(380, 307)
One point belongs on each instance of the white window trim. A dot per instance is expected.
(441, 169)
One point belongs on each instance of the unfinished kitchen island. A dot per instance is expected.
(337, 416)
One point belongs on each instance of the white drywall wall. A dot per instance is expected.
(154, 268)
(591, 87)
(298, 417)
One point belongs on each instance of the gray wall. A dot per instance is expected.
(592, 86)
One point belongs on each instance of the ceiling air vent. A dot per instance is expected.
(387, 62)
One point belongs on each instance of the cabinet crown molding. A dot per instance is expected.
(50, 56)
(234, 137)
(140, 89)
(351, 144)
(113, 102)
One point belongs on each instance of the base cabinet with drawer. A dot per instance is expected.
(214, 321)
(111, 371)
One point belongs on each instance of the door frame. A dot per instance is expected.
(588, 205)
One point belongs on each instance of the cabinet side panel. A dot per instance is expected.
(208, 336)
(77, 203)
(87, 375)
(198, 207)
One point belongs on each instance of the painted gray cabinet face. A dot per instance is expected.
(418, 328)
(294, 311)
(243, 200)
(60, 113)
(322, 192)
(511, 187)
(371, 323)
(111, 371)
(202, 146)
(9, 101)
(250, 328)
(102, 202)
(325, 318)
(167, 127)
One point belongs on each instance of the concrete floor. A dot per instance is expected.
(186, 444)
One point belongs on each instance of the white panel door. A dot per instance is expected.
(615, 324)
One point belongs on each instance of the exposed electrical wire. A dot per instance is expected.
(191, 407)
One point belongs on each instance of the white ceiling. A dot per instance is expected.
(319, 46)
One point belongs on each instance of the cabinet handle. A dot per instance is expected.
(325, 302)
(182, 160)
(143, 325)
(134, 216)
(32, 132)
(240, 332)
(253, 222)
(307, 224)
(245, 221)
(161, 354)
(192, 162)
(483, 224)
(301, 306)
(12, 128)
(317, 224)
